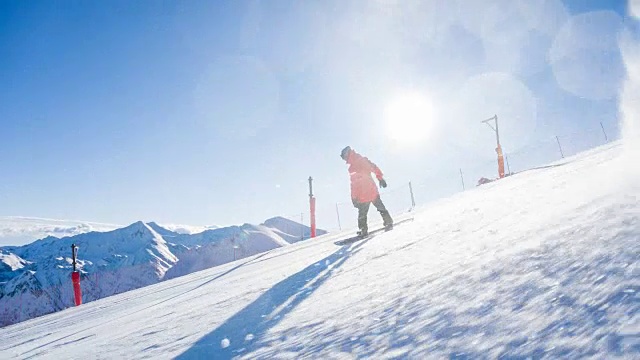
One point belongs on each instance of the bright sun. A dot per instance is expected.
(409, 118)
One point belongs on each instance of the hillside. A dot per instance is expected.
(543, 264)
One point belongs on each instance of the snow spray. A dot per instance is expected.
(630, 95)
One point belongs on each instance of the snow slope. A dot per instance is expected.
(543, 264)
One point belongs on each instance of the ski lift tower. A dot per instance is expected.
(498, 148)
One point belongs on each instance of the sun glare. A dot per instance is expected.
(409, 118)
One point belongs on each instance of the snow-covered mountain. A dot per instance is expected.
(34, 278)
(290, 230)
(188, 229)
(542, 264)
(215, 247)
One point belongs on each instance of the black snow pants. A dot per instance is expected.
(363, 210)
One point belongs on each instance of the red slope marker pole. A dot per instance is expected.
(312, 208)
(75, 278)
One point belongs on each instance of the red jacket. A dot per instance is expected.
(363, 188)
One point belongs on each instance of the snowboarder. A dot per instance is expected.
(363, 189)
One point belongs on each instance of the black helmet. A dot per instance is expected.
(345, 152)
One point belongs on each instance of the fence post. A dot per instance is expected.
(312, 209)
(506, 157)
(413, 199)
(462, 178)
(338, 214)
(606, 138)
(560, 147)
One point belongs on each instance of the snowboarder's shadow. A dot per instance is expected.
(243, 332)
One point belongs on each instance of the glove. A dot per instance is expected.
(383, 184)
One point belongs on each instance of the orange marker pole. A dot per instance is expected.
(500, 162)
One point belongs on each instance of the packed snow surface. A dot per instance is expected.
(543, 264)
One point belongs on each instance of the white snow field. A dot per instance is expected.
(543, 264)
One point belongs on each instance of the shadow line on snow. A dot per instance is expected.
(542, 167)
(244, 331)
(220, 275)
(539, 283)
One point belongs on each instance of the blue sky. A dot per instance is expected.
(206, 112)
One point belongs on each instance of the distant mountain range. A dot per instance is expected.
(35, 278)
(20, 230)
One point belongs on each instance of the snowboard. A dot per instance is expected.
(370, 234)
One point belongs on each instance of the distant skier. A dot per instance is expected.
(363, 189)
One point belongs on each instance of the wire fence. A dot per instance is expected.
(399, 200)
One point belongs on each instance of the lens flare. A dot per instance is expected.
(409, 118)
